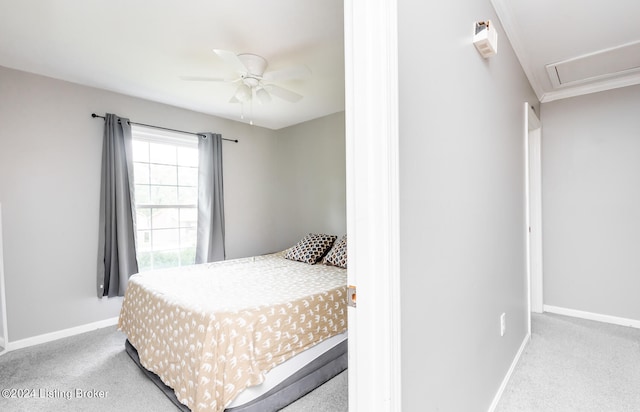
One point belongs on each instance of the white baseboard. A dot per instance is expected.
(634, 323)
(48, 337)
(507, 377)
(1, 341)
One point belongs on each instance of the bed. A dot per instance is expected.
(208, 332)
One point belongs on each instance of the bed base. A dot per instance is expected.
(314, 374)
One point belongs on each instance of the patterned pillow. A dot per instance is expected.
(311, 248)
(337, 256)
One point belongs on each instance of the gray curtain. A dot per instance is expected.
(210, 238)
(116, 244)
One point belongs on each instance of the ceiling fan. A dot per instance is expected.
(253, 81)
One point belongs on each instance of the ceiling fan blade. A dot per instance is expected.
(289, 73)
(284, 94)
(232, 60)
(204, 79)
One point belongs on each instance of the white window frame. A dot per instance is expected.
(153, 135)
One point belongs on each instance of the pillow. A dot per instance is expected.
(311, 248)
(337, 256)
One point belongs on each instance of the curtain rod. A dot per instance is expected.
(164, 128)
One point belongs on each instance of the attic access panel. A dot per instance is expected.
(614, 62)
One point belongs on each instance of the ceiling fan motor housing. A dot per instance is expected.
(256, 65)
(251, 81)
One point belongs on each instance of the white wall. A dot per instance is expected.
(462, 208)
(591, 202)
(50, 155)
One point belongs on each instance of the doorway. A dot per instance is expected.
(534, 209)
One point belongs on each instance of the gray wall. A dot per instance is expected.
(314, 169)
(50, 154)
(462, 208)
(2, 300)
(591, 202)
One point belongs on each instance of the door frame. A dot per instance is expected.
(533, 185)
(372, 174)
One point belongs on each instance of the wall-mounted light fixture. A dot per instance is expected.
(485, 38)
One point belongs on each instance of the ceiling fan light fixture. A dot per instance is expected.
(263, 96)
(243, 93)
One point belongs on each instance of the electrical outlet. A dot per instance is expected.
(503, 323)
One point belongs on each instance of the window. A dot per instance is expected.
(166, 193)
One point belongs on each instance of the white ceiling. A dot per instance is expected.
(141, 48)
(544, 32)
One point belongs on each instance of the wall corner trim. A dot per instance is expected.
(65, 333)
(615, 320)
(507, 377)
